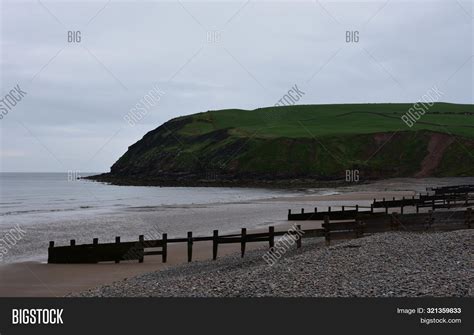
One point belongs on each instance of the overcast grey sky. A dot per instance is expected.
(72, 117)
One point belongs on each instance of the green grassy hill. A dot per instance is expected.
(305, 142)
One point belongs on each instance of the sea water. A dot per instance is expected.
(54, 206)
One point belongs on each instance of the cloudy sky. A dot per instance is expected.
(209, 55)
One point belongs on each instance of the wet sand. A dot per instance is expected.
(35, 279)
(32, 279)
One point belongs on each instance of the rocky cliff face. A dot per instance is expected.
(200, 149)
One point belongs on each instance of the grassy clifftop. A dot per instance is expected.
(306, 142)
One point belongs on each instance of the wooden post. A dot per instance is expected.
(215, 241)
(164, 255)
(359, 229)
(190, 246)
(394, 221)
(430, 220)
(95, 242)
(371, 208)
(302, 210)
(357, 208)
(343, 208)
(315, 209)
(271, 236)
(468, 217)
(386, 209)
(117, 241)
(50, 252)
(327, 231)
(73, 243)
(289, 213)
(329, 209)
(243, 239)
(298, 237)
(141, 239)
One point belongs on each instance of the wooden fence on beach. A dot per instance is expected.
(452, 189)
(331, 230)
(454, 199)
(123, 251)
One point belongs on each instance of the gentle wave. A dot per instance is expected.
(32, 211)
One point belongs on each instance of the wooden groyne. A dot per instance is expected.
(452, 189)
(441, 198)
(332, 230)
(137, 250)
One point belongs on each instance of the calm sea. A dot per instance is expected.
(51, 206)
(27, 195)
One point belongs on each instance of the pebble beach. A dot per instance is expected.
(394, 264)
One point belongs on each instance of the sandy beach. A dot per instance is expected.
(39, 279)
(36, 279)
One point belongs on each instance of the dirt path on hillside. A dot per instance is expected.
(436, 148)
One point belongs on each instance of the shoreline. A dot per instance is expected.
(300, 199)
(36, 279)
(195, 181)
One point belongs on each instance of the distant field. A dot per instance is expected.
(327, 120)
